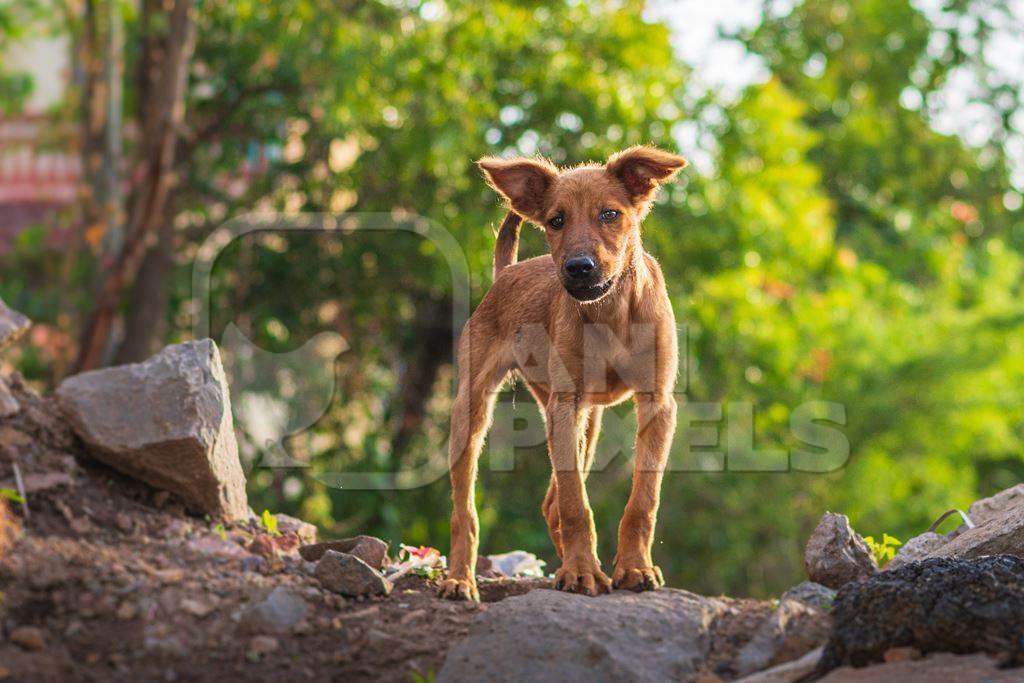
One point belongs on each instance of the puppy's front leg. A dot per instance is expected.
(656, 422)
(471, 415)
(581, 570)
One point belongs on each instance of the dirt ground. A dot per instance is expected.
(112, 580)
(124, 585)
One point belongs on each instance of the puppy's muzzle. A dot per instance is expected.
(582, 279)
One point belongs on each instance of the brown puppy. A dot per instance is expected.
(588, 326)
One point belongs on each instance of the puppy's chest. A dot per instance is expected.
(592, 360)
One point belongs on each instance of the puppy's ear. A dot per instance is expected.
(523, 183)
(642, 169)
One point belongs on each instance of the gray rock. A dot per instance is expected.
(790, 672)
(988, 509)
(167, 646)
(936, 605)
(786, 634)
(999, 534)
(280, 611)
(811, 594)
(655, 636)
(12, 325)
(369, 549)
(287, 524)
(916, 549)
(836, 554)
(167, 422)
(348, 575)
(8, 404)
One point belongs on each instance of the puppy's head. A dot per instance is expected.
(590, 214)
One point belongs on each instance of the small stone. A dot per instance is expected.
(217, 547)
(412, 616)
(369, 549)
(5, 673)
(917, 548)
(14, 437)
(124, 522)
(12, 325)
(836, 554)
(196, 607)
(305, 531)
(169, 576)
(901, 654)
(260, 646)
(170, 646)
(350, 576)
(811, 594)
(127, 611)
(280, 611)
(29, 637)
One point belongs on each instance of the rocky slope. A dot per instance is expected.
(115, 565)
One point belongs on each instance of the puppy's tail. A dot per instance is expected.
(506, 250)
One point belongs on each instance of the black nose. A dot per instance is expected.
(580, 267)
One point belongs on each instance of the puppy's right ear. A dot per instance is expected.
(524, 183)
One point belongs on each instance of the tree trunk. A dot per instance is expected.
(146, 320)
(162, 115)
(432, 350)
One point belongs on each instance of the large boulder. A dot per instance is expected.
(12, 325)
(936, 667)
(165, 421)
(998, 528)
(937, 605)
(999, 505)
(836, 554)
(655, 636)
(790, 631)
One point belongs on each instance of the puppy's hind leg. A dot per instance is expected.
(471, 417)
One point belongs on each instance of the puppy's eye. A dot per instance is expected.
(608, 215)
(557, 222)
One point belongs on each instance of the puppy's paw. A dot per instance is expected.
(638, 578)
(458, 589)
(587, 579)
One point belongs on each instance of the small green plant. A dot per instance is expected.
(270, 523)
(428, 573)
(885, 550)
(420, 678)
(11, 495)
(220, 531)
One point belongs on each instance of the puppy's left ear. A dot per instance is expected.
(642, 169)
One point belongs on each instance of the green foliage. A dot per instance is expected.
(833, 245)
(269, 522)
(883, 550)
(11, 495)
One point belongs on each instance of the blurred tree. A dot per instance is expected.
(837, 248)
